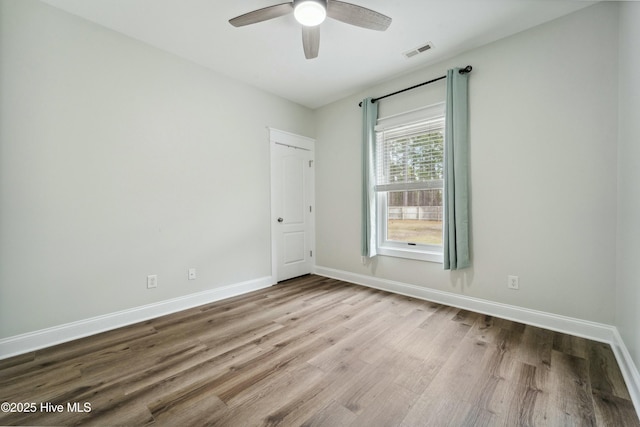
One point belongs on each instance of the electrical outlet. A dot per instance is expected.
(192, 274)
(152, 281)
(512, 282)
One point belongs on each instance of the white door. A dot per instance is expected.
(292, 216)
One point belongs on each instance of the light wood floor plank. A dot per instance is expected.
(385, 411)
(317, 397)
(570, 395)
(332, 414)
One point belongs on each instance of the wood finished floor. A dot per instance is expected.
(320, 352)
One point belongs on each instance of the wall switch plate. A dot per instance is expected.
(512, 282)
(152, 281)
(192, 274)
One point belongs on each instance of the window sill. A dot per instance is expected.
(420, 255)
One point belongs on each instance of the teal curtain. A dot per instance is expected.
(369, 118)
(456, 169)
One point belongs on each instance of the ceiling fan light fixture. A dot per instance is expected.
(310, 13)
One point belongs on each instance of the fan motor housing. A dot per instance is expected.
(323, 3)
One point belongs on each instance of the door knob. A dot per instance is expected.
(280, 219)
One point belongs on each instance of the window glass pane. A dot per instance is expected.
(410, 158)
(415, 216)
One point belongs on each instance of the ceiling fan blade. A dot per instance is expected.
(263, 14)
(311, 41)
(357, 15)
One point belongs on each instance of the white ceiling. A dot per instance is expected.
(269, 55)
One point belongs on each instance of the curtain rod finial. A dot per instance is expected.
(466, 69)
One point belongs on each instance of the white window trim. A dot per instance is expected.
(420, 252)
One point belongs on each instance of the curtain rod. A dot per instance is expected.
(464, 70)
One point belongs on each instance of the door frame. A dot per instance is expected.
(296, 141)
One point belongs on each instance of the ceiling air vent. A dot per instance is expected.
(413, 52)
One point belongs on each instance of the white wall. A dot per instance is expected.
(628, 282)
(117, 161)
(543, 135)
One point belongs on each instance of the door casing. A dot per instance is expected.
(277, 140)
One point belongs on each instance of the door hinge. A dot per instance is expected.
(310, 209)
(310, 253)
(310, 163)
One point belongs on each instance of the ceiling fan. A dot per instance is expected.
(311, 13)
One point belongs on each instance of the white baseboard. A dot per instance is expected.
(31, 341)
(582, 328)
(568, 325)
(628, 368)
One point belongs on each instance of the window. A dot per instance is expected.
(410, 183)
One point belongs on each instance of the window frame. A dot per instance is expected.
(417, 251)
